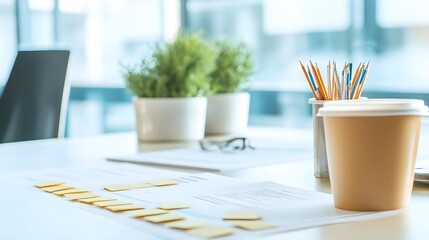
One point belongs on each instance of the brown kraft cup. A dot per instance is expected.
(371, 148)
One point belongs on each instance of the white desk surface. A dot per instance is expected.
(24, 216)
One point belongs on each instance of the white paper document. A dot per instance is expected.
(195, 158)
(208, 196)
(287, 207)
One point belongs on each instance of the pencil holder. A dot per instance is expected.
(319, 147)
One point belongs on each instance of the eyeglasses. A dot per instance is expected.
(228, 146)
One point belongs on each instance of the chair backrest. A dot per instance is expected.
(34, 101)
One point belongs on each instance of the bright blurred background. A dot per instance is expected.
(105, 34)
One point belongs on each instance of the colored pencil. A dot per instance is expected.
(363, 81)
(349, 86)
(312, 86)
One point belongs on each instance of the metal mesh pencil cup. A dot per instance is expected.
(319, 146)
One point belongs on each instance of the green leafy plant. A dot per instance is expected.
(177, 69)
(234, 64)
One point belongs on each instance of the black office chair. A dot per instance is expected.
(34, 101)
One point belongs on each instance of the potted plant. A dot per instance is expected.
(228, 107)
(170, 88)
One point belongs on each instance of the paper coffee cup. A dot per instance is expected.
(371, 148)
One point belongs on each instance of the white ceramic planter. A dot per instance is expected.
(227, 113)
(170, 119)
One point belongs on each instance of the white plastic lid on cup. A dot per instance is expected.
(374, 107)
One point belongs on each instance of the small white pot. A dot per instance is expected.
(170, 119)
(227, 113)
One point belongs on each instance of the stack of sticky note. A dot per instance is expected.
(161, 214)
(158, 215)
(60, 189)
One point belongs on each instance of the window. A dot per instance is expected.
(7, 39)
(394, 35)
(402, 45)
(104, 35)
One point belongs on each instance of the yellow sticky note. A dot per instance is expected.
(116, 187)
(70, 191)
(241, 215)
(111, 203)
(95, 199)
(210, 232)
(48, 184)
(185, 224)
(77, 196)
(172, 206)
(253, 225)
(122, 208)
(56, 188)
(126, 186)
(163, 218)
(146, 212)
(163, 182)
